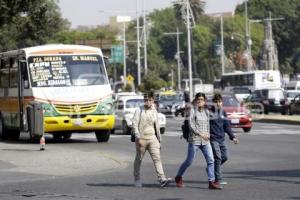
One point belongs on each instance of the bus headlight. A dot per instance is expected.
(47, 109)
(106, 108)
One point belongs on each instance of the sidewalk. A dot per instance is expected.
(277, 118)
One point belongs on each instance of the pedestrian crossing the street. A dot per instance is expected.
(258, 129)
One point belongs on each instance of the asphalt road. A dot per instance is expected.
(265, 165)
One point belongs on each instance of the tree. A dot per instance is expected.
(287, 41)
(197, 7)
(29, 23)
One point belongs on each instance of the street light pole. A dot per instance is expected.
(178, 59)
(177, 56)
(145, 40)
(248, 39)
(124, 54)
(138, 42)
(222, 46)
(189, 49)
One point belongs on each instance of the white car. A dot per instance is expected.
(125, 109)
(291, 94)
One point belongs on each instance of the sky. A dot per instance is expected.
(97, 12)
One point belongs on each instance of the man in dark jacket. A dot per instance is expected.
(219, 124)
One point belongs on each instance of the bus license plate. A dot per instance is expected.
(235, 121)
(78, 122)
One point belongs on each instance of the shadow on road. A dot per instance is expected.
(268, 175)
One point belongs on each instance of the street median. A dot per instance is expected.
(279, 119)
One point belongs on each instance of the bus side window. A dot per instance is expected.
(13, 73)
(4, 74)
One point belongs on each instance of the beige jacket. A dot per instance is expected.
(139, 121)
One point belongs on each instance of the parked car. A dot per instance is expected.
(293, 85)
(239, 116)
(268, 100)
(124, 110)
(291, 94)
(295, 105)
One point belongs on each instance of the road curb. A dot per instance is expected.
(277, 121)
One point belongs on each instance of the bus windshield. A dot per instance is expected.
(66, 70)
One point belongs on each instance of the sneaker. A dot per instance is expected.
(223, 183)
(165, 182)
(138, 183)
(214, 186)
(179, 182)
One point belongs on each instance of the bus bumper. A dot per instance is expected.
(87, 123)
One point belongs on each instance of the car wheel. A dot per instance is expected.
(246, 130)
(66, 136)
(14, 135)
(102, 135)
(125, 128)
(162, 130)
(291, 111)
(266, 111)
(57, 136)
(3, 131)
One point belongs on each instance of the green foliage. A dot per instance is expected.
(152, 82)
(29, 23)
(286, 32)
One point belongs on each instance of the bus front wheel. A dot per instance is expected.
(3, 131)
(102, 135)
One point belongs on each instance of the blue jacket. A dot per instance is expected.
(219, 124)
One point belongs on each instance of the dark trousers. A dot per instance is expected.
(220, 156)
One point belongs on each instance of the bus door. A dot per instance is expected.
(22, 84)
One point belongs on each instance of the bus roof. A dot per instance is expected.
(56, 49)
(250, 72)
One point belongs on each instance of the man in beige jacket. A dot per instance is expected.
(147, 138)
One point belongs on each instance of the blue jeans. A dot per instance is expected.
(220, 155)
(207, 153)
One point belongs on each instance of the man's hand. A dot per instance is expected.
(205, 136)
(235, 141)
(138, 141)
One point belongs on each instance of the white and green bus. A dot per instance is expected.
(70, 83)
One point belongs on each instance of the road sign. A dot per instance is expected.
(117, 54)
(129, 78)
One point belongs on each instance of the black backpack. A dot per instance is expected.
(186, 128)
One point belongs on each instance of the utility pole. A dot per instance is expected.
(138, 43)
(189, 16)
(177, 56)
(248, 40)
(145, 39)
(222, 45)
(270, 57)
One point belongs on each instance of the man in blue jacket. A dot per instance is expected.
(219, 124)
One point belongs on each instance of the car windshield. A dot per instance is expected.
(66, 70)
(134, 103)
(176, 97)
(230, 102)
(292, 94)
(241, 91)
(276, 94)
